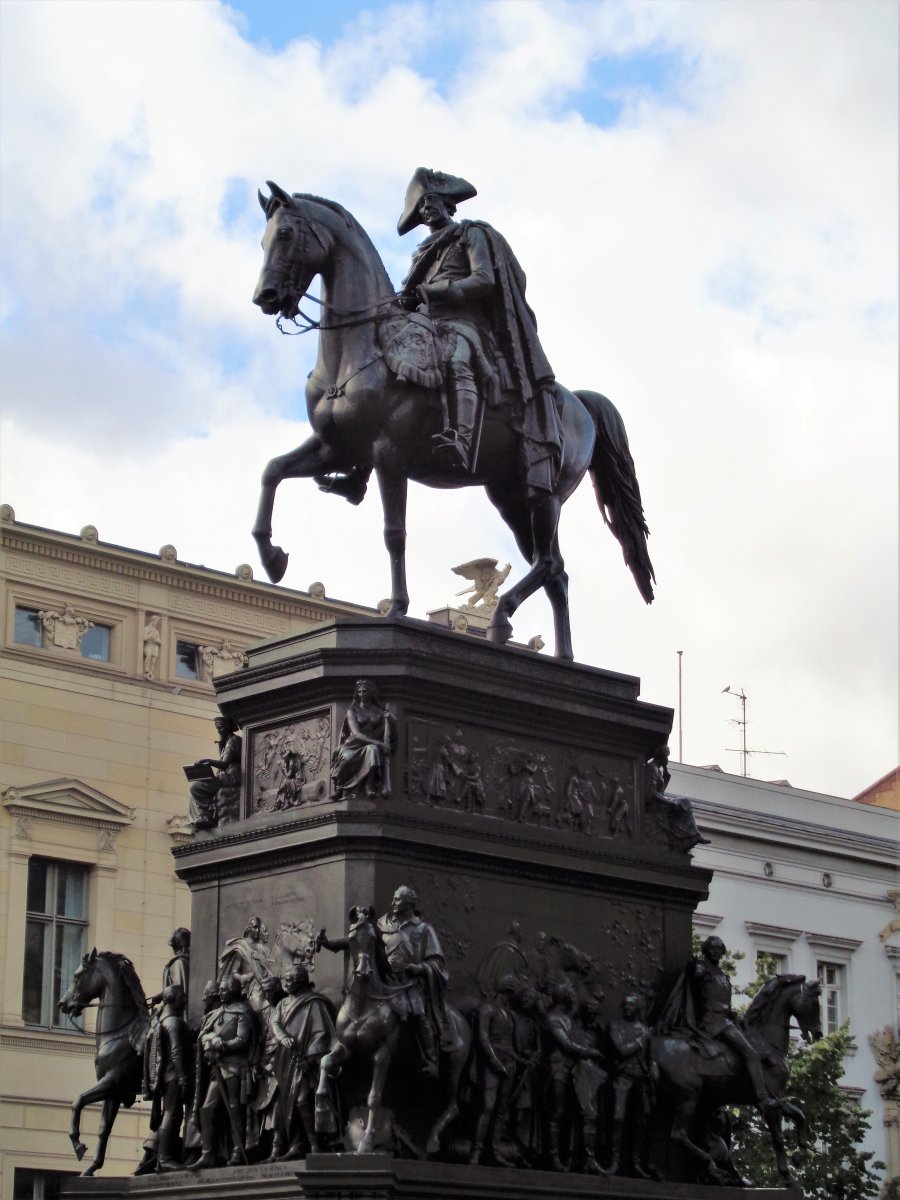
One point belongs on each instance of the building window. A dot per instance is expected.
(38, 1185)
(832, 977)
(770, 963)
(28, 630)
(95, 644)
(55, 937)
(187, 660)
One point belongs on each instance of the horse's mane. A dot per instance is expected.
(349, 220)
(129, 975)
(767, 995)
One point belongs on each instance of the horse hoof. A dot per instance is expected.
(88, 1173)
(275, 563)
(80, 1150)
(397, 610)
(499, 632)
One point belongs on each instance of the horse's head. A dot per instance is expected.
(86, 985)
(364, 941)
(295, 250)
(807, 1010)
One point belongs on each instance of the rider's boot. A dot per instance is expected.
(352, 485)
(454, 444)
(425, 1038)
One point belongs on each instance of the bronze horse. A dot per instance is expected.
(701, 1086)
(368, 1024)
(363, 419)
(122, 1024)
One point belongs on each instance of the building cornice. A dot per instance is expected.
(767, 827)
(773, 933)
(134, 564)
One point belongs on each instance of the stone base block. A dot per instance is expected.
(381, 1177)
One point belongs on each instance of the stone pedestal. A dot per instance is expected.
(516, 794)
(380, 1177)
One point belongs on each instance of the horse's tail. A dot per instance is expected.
(616, 486)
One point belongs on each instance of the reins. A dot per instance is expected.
(312, 323)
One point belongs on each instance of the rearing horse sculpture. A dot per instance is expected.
(364, 419)
(122, 1024)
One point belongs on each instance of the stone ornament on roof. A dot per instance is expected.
(486, 580)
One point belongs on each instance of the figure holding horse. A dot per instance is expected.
(702, 1070)
(456, 393)
(122, 1024)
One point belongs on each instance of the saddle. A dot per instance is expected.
(416, 350)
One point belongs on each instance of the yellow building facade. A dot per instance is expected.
(106, 667)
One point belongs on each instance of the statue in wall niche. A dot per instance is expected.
(247, 958)
(229, 1045)
(674, 814)
(360, 765)
(152, 641)
(64, 629)
(565, 1047)
(634, 1075)
(216, 782)
(167, 1059)
(303, 1028)
(486, 579)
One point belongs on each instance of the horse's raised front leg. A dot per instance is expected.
(100, 1091)
(312, 458)
(798, 1118)
(393, 499)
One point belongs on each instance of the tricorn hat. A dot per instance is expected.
(424, 181)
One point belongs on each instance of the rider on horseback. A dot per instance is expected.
(709, 996)
(414, 952)
(465, 279)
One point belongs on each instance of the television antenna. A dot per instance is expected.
(741, 722)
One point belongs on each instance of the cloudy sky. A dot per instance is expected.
(704, 198)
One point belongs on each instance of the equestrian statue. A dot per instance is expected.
(444, 383)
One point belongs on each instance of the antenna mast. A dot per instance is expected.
(740, 694)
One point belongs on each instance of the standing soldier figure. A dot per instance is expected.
(496, 1060)
(565, 1049)
(632, 1084)
(166, 1075)
(228, 1045)
(211, 1004)
(303, 1027)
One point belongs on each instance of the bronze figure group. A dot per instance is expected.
(525, 1072)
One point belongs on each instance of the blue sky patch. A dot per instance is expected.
(277, 23)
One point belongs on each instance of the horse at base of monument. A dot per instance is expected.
(364, 418)
(368, 1025)
(122, 1025)
(698, 1087)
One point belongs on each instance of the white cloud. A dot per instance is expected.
(721, 263)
